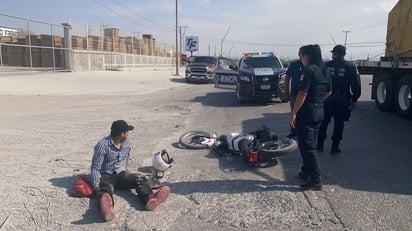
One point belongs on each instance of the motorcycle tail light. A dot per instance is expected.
(253, 157)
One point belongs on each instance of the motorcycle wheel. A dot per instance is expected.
(193, 139)
(285, 145)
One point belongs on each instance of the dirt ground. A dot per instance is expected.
(49, 125)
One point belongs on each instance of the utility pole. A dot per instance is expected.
(224, 37)
(230, 50)
(177, 44)
(103, 26)
(346, 35)
(180, 41)
(181, 37)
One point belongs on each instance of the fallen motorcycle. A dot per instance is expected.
(258, 148)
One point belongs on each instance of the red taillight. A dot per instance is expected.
(253, 157)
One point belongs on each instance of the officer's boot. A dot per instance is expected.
(315, 183)
(319, 146)
(335, 147)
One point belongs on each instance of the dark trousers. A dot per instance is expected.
(340, 112)
(125, 180)
(308, 121)
(292, 104)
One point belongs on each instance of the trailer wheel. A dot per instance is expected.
(385, 93)
(403, 97)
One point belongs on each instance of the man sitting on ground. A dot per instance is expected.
(109, 172)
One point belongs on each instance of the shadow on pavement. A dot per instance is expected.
(229, 186)
(214, 99)
(375, 151)
(92, 214)
(178, 80)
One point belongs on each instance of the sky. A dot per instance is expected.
(224, 27)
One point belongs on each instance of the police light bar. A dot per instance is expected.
(265, 53)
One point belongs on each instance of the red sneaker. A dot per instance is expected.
(107, 207)
(155, 199)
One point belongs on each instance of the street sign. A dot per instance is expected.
(192, 43)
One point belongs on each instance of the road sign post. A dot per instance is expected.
(192, 44)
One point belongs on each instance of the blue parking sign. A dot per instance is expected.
(192, 43)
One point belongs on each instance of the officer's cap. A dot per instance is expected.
(339, 50)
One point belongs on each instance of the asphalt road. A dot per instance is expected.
(367, 187)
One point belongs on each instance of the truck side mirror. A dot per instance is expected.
(233, 67)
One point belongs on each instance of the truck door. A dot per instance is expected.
(226, 74)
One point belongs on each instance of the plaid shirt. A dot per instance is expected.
(108, 159)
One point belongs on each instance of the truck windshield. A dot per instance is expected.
(262, 62)
(202, 59)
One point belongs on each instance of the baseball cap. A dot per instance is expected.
(119, 126)
(339, 50)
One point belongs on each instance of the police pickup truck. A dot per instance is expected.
(260, 77)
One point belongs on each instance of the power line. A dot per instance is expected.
(118, 14)
(367, 27)
(300, 44)
(141, 16)
(130, 20)
(346, 35)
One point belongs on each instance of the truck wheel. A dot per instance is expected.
(238, 97)
(403, 97)
(385, 93)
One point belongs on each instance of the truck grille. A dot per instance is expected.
(198, 70)
(270, 79)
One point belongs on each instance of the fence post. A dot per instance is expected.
(29, 38)
(68, 46)
(1, 59)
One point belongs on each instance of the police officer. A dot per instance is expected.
(346, 89)
(293, 75)
(307, 113)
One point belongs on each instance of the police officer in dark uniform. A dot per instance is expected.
(346, 89)
(293, 75)
(307, 113)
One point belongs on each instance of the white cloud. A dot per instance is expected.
(205, 2)
(386, 5)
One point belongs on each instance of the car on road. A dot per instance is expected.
(260, 77)
(206, 68)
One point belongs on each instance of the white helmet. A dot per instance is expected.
(162, 161)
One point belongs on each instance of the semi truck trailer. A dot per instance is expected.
(392, 74)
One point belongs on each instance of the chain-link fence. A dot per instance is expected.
(30, 45)
(111, 39)
(75, 46)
